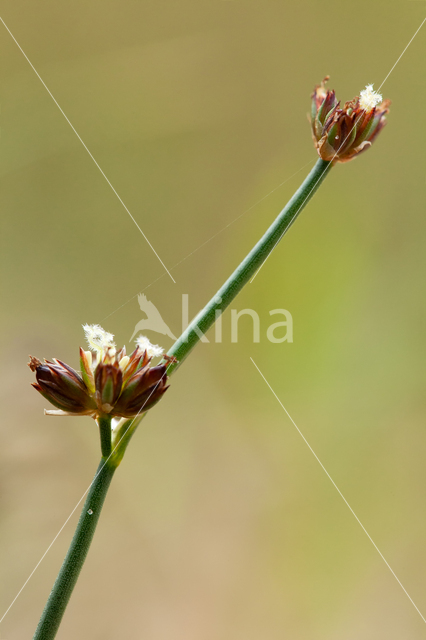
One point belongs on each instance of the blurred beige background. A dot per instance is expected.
(220, 524)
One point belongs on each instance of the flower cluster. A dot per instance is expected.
(341, 134)
(110, 383)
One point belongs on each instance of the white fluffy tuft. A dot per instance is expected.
(97, 338)
(153, 350)
(368, 98)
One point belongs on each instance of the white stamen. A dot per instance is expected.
(98, 339)
(368, 98)
(153, 350)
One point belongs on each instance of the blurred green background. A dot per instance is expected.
(220, 524)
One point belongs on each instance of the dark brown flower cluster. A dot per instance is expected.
(115, 384)
(341, 134)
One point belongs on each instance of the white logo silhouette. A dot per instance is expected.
(153, 320)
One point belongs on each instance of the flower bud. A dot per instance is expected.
(142, 391)
(109, 381)
(341, 134)
(63, 387)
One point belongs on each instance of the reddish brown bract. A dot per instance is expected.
(341, 134)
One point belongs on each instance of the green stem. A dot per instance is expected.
(248, 267)
(104, 423)
(76, 555)
(70, 570)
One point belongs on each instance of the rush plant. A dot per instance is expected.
(117, 390)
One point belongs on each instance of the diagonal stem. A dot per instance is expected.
(249, 266)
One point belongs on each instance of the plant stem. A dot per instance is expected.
(248, 267)
(71, 567)
(77, 552)
(104, 423)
